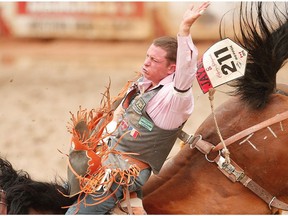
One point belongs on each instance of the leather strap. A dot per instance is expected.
(263, 194)
(236, 174)
(129, 208)
(185, 137)
(233, 171)
(277, 118)
(192, 140)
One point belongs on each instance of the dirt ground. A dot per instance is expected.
(42, 81)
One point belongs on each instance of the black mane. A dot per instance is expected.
(24, 194)
(265, 37)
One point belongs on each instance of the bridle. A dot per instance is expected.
(3, 204)
(231, 169)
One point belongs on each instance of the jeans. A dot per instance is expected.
(106, 206)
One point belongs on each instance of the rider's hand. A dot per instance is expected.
(190, 16)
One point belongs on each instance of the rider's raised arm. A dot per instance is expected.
(187, 53)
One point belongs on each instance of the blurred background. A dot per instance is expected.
(56, 56)
(104, 20)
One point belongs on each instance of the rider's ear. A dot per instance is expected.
(171, 68)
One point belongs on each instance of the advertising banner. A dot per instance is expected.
(88, 20)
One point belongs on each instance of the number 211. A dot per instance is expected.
(222, 59)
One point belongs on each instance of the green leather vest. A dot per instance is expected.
(151, 143)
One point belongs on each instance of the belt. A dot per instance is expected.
(142, 165)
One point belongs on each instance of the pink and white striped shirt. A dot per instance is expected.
(169, 108)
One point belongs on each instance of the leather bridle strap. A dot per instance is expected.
(237, 174)
(189, 139)
(3, 204)
(277, 118)
(272, 201)
(233, 171)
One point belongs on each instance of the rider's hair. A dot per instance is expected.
(169, 44)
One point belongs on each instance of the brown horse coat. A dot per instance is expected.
(189, 184)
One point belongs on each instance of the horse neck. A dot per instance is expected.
(263, 154)
(234, 116)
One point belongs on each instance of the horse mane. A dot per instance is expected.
(265, 37)
(24, 194)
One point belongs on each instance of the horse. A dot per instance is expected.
(20, 194)
(252, 124)
(191, 182)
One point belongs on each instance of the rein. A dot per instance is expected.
(231, 169)
(3, 204)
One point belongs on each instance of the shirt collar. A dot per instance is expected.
(145, 83)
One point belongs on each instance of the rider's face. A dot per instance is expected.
(156, 66)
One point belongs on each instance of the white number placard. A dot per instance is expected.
(221, 63)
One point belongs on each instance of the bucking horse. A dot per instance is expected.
(235, 162)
